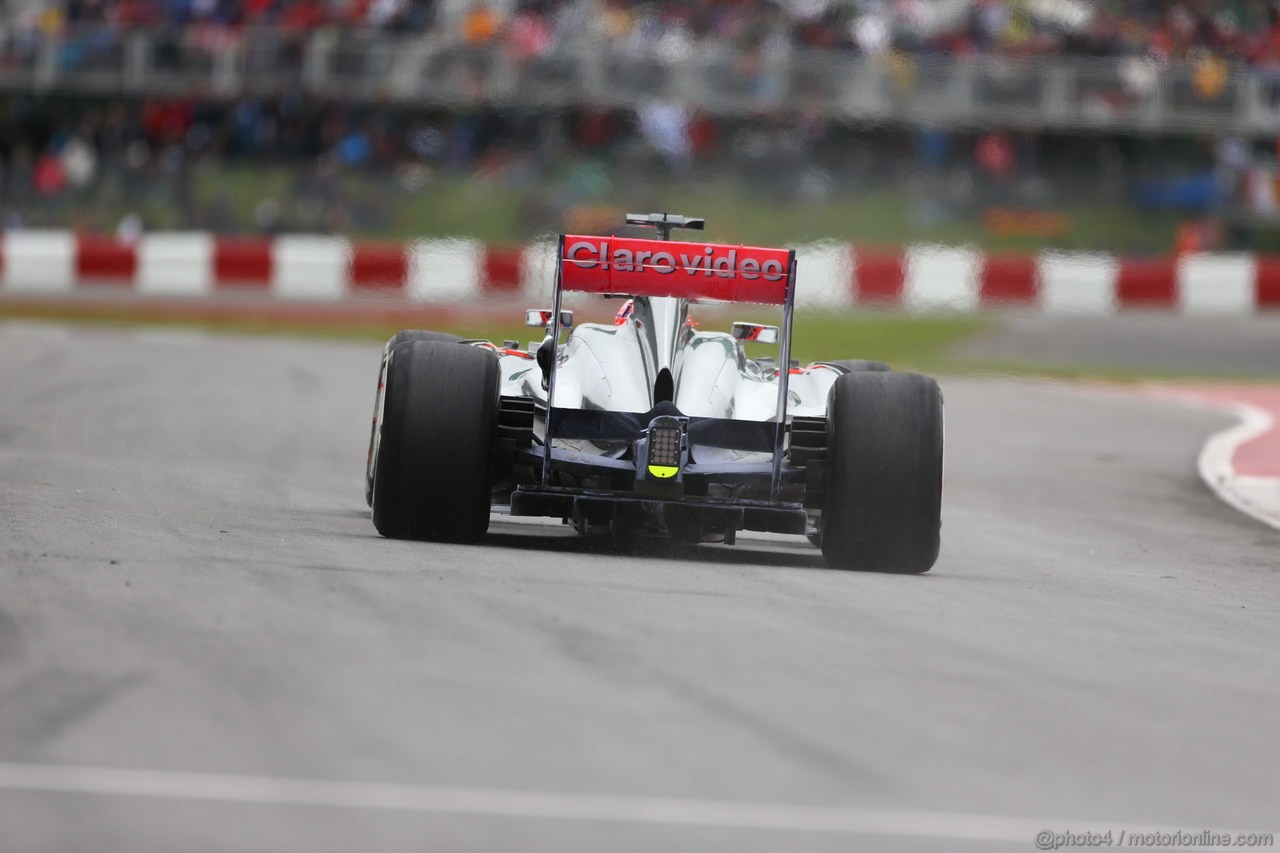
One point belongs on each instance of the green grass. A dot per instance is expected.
(495, 212)
(889, 217)
(921, 343)
(901, 340)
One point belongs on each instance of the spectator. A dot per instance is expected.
(1230, 30)
(530, 35)
(481, 25)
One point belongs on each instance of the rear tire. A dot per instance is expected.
(397, 338)
(433, 467)
(883, 507)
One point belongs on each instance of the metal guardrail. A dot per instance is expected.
(1066, 93)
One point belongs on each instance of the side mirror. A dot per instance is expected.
(541, 317)
(755, 333)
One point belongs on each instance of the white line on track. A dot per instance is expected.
(724, 814)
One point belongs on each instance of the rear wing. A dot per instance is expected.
(623, 266)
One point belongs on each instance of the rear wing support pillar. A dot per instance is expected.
(551, 381)
(784, 379)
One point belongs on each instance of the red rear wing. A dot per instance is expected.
(685, 270)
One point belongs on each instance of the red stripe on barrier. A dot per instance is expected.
(105, 260)
(1009, 280)
(246, 264)
(1147, 283)
(379, 267)
(879, 275)
(500, 269)
(1267, 282)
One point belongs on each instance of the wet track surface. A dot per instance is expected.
(1158, 341)
(190, 583)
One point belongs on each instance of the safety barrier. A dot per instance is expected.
(319, 269)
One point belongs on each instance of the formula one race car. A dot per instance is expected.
(650, 427)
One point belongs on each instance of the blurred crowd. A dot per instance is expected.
(1232, 30)
(296, 164)
(85, 162)
(310, 164)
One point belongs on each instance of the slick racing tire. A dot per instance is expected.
(851, 365)
(433, 469)
(883, 507)
(862, 365)
(397, 338)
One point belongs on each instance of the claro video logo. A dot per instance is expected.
(719, 261)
